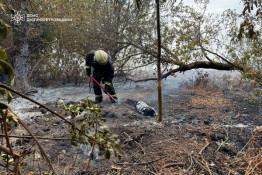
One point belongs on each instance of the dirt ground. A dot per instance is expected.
(203, 132)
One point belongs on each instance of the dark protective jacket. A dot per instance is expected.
(108, 68)
(105, 72)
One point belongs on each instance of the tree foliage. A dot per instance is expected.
(128, 34)
(87, 132)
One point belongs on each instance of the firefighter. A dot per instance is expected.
(103, 70)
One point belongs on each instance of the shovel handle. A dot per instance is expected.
(102, 87)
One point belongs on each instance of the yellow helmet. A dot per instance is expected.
(101, 57)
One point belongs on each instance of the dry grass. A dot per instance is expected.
(250, 161)
(207, 97)
(210, 94)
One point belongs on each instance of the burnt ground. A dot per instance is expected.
(203, 132)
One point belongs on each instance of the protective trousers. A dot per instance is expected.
(108, 84)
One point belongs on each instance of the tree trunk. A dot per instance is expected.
(20, 33)
(159, 64)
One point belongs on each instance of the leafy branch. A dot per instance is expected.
(89, 119)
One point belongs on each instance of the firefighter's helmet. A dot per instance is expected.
(101, 57)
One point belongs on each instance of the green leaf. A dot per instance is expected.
(6, 69)
(12, 118)
(4, 28)
(107, 154)
(117, 146)
(3, 106)
(3, 92)
(11, 160)
(2, 53)
(9, 97)
(12, 81)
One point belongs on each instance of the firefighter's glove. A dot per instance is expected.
(88, 72)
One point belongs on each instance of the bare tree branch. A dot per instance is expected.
(219, 56)
(202, 64)
(194, 65)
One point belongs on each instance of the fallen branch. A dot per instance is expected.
(194, 65)
(200, 152)
(38, 144)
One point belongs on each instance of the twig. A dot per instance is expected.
(7, 150)
(207, 144)
(221, 57)
(191, 162)
(29, 150)
(39, 167)
(5, 167)
(16, 165)
(143, 163)
(30, 75)
(153, 173)
(143, 149)
(172, 164)
(204, 166)
(93, 146)
(38, 144)
(73, 166)
(6, 134)
(245, 145)
(38, 137)
(16, 158)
